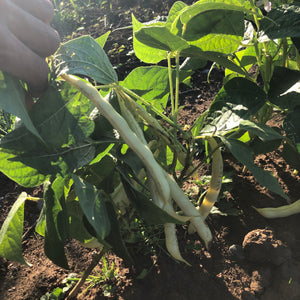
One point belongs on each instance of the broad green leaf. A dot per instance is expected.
(239, 99)
(62, 122)
(291, 125)
(177, 7)
(159, 37)
(244, 154)
(282, 80)
(12, 100)
(208, 5)
(192, 64)
(219, 58)
(11, 232)
(219, 30)
(281, 22)
(84, 56)
(151, 83)
(101, 40)
(55, 230)
(93, 206)
(218, 43)
(99, 173)
(40, 227)
(261, 147)
(264, 132)
(287, 101)
(77, 229)
(145, 53)
(291, 155)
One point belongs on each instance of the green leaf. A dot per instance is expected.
(176, 8)
(208, 5)
(291, 125)
(219, 58)
(282, 80)
(84, 56)
(219, 31)
(40, 227)
(151, 83)
(239, 99)
(264, 132)
(62, 122)
(101, 40)
(11, 232)
(12, 100)
(291, 155)
(93, 206)
(99, 173)
(77, 230)
(287, 101)
(145, 53)
(159, 37)
(281, 22)
(244, 154)
(55, 232)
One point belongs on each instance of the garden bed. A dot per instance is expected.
(262, 266)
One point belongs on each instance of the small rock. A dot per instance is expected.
(260, 246)
(237, 252)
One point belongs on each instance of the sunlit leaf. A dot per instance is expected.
(145, 53)
(11, 232)
(84, 56)
(93, 206)
(12, 100)
(62, 122)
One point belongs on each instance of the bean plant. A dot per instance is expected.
(103, 148)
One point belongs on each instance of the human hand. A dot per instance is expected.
(26, 39)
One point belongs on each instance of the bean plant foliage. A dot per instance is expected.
(98, 161)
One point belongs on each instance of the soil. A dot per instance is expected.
(250, 258)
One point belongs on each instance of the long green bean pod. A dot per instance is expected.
(216, 179)
(190, 210)
(172, 242)
(281, 211)
(119, 123)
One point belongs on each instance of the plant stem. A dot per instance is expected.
(155, 110)
(171, 85)
(87, 272)
(176, 88)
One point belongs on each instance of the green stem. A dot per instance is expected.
(285, 53)
(171, 85)
(155, 110)
(176, 88)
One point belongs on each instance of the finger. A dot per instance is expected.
(41, 9)
(35, 34)
(21, 62)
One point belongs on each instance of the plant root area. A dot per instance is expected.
(250, 257)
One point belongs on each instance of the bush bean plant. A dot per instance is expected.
(103, 148)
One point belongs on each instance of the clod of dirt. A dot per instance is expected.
(261, 246)
(260, 280)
